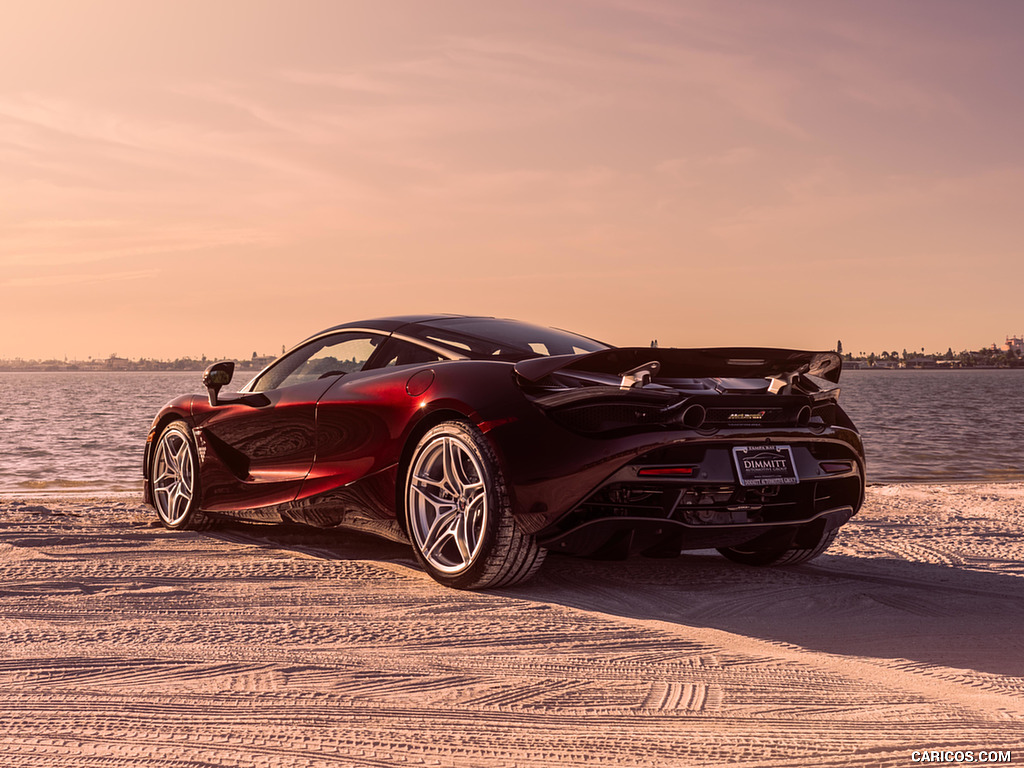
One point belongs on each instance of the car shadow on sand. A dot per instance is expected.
(331, 543)
(887, 608)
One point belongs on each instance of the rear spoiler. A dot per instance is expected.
(719, 362)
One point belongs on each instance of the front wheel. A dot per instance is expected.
(174, 479)
(459, 516)
(789, 555)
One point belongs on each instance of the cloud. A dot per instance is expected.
(480, 139)
(56, 243)
(927, 220)
(63, 279)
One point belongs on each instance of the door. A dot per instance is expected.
(257, 449)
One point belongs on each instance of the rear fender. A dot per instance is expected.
(483, 393)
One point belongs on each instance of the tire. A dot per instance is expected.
(174, 479)
(779, 556)
(459, 516)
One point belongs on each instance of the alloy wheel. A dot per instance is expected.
(173, 477)
(447, 498)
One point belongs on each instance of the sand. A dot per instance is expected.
(122, 644)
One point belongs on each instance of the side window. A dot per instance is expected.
(399, 352)
(340, 353)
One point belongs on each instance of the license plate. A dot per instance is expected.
(765, 465)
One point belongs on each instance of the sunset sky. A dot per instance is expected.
(184, 178)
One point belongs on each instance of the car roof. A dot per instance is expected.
(421, 326)
(388, 324)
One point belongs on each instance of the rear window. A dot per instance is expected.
(397, 352)
(487, 337)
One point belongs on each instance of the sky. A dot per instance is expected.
(184, 178)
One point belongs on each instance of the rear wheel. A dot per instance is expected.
(174, 479)
(779, 555)
(459, 516)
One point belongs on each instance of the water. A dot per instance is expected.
(930, 425)
(81, 431)
(86, 431)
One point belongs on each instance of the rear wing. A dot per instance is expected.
(716, 362)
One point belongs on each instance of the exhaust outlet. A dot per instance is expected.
(694, 415)
(803, 416)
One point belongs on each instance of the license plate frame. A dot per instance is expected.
(758, 465)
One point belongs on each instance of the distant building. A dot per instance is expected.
(1014, 344)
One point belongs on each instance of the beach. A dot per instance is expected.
(123, 644)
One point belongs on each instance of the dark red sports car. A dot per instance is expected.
(485, 443)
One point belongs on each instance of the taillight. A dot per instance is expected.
(667, 471)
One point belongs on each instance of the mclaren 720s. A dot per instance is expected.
(486, 443)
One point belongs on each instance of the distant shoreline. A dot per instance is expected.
(51, 369)
(244, 369)
(938, 368)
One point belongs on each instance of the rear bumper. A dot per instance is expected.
(632, 512)
(554, 474)
(621, 537)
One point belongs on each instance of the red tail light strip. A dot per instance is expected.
(656, 471)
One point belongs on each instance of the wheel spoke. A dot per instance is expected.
(459, 458)
(165, 482)
(181, 501)
(172, 503)
(442, 527)
(474, 515)
(429, 494)
(476, 494)
(450, 477)
(182, 458)
(461, 535)
(167, 457)
(186, 472)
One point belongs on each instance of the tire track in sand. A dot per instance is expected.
(186, 650)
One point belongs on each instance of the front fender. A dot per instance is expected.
(179, 409)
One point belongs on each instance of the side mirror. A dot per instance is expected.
(216, 376)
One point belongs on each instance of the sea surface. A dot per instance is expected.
(86, 431)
